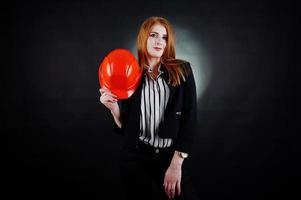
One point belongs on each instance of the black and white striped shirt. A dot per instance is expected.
(154, 97)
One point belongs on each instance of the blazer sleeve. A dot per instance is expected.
(124, 107)
(187, 128)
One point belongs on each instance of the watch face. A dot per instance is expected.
(183, 155)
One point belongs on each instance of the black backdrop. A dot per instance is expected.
(60, 142)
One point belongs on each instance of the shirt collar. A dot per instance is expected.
(159, 68)
(162, 72)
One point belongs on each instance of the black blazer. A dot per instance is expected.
(179, 116)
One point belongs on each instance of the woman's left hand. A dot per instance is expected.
(172, 179)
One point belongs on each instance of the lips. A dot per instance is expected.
(157, 48)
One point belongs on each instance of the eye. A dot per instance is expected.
(165, 38)
(152, 35)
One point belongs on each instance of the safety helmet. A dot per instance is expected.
(120, 73)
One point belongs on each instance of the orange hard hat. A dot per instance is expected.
(120, 73)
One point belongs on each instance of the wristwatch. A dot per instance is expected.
(182, 154)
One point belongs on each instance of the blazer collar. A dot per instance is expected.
(164, 74)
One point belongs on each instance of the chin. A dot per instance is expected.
(157, 55)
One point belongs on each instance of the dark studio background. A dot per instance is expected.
(60, 142)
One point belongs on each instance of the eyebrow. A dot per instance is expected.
(158, 33)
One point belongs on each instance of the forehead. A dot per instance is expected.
(158, 28)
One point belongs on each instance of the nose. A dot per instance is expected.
(159, 40)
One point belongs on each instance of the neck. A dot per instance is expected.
(153, 62)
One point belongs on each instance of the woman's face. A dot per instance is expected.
(156, 41)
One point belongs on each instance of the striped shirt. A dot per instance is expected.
(154, 97)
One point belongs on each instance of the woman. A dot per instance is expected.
(158, 120)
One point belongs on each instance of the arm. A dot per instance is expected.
(109, 100)
(120, 116)
(116, 115)
(172, 180)
(187, 129)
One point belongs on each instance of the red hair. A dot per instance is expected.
(174, 66)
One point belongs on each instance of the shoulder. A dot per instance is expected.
(186, 66)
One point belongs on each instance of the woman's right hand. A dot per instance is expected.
(109, 100)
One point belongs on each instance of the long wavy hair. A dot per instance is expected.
(175, 67)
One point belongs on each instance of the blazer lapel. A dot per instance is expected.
(172, 89)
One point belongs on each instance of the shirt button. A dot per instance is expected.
(157, 151)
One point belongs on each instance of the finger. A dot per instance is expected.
(166, 189)
(170, 191)
(179, 187)
(101, 90)
(108, 99)
(104, 90)
(101, 99)
(112, 99)
(105, 95)
(107, 92)
(110, 105)
(105, 98)
(173, 190)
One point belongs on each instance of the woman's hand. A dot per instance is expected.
(109, 100)
(173, 175)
